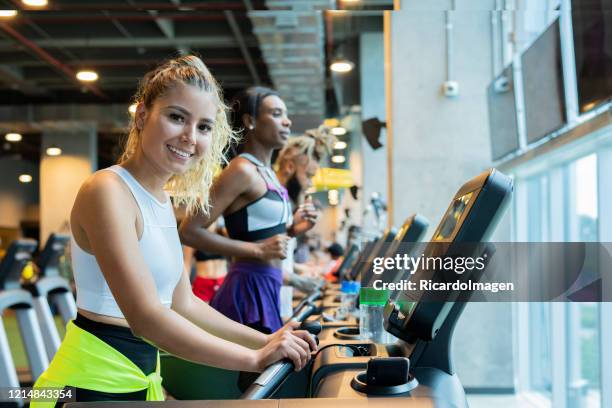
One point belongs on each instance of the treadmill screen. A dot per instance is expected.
(452, 217)
(420, 311)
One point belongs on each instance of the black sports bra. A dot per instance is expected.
(266, 216)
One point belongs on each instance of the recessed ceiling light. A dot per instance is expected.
(54, 151)
(13, 137)
(25, 178)
(35, 3)
(342, 66)
(338, 159)
(338, 131)
(339, 145)
(8, 13)
(87, 76)
(332, 197)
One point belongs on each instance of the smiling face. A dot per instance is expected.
(176, 130)
(272, 126)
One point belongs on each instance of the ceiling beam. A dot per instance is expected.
(145, 62)
(231, 21)
(120, 27)
(62, 18)
(216, 41)
(45, 56)
(248, 5)
(13, 77)
(166, 26)
(93, 5)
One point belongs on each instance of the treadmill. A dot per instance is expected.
(12, 296)
(405, 240)
(425, 332)
(424, 323)
(52, 289)
(348, 262)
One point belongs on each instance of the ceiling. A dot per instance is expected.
(282, 43)
(121, 39)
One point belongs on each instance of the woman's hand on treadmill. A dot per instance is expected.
(292, 327)
(284, 344)
(272, 248)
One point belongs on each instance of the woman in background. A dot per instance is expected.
(257, 211)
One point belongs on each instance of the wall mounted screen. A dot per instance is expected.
(502, 115)
(592, 26)
(543, 85)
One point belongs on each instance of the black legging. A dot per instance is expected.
(141, 353)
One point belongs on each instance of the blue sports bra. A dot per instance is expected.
(266, 216)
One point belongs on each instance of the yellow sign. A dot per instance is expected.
(328, 179)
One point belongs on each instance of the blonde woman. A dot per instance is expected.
(133, 296)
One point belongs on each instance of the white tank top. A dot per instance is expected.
(160, 247)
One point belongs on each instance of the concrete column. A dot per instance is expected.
(372, 83)
(61, 176)
(440, 142)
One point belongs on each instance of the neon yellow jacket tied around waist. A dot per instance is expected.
(85, 361)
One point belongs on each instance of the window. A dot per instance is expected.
(562, 361)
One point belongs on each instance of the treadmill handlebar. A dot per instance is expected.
(308, 300)
(304, 312)
(274, 375)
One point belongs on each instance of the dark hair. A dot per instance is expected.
(247, 102)
(335, 249)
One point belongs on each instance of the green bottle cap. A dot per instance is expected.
(373, 297)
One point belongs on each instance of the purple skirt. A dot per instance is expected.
(250, 294)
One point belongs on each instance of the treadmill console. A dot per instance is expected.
(353, 272)
(16, 257)
(378, 249)
(406, 241)
(471, 217)
(48, 261)
(348, 262)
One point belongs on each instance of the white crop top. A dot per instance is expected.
(159, 244)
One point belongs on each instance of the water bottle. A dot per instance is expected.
(348, 297)
(371, 315)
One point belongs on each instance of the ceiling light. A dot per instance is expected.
(13, 137)
(54, 151)
(342, 65)
(25, 178)
(87, 76)
(339, 145)
(132, 108)
(35, 3)
(8, 13)
(332, 197)
(338, 159)
(338, 131)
